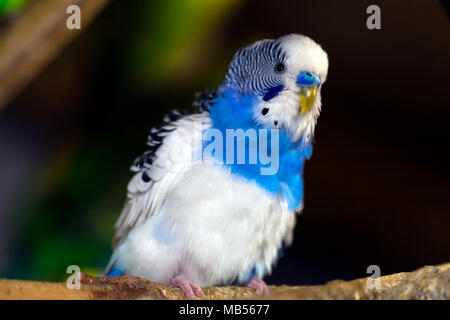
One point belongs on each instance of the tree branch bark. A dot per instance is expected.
(426, 283)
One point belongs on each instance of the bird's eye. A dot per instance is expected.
(279, 67)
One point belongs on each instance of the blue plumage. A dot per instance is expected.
(235, 111)
(114, 271)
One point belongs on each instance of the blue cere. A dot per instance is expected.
(235, 111)
(308, 79)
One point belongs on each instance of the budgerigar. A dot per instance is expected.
(191, 221)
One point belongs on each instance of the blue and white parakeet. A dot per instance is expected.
(190, 223)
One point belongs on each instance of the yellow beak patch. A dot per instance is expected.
(307, 96)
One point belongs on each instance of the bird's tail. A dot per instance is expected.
(112, 270)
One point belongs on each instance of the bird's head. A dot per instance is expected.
(286, 76)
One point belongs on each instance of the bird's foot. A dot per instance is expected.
(259, 285)
(190, 289)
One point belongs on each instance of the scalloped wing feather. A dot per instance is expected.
(158, 172)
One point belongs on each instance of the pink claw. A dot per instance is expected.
(259, 285)
(190, 289)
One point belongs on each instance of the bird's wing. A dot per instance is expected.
(173, 148)
(204, 100)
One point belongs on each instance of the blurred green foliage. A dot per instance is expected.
(8, 7)
(167, 37)
(70, 218)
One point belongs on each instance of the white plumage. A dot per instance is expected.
(197, 220)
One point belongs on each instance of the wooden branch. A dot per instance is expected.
(426, 283)
(35, 38)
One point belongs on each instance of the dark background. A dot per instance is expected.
(377, 186)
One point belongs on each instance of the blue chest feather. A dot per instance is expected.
(233, 111)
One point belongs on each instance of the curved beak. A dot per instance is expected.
(308, 83)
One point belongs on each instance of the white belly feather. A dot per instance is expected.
(211, 228)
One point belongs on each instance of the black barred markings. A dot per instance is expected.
(203, 101)
(154, 141)
(257, 67)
